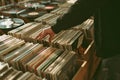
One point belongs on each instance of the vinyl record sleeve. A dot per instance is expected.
(3, 67)
(29, 57)
(24, 54)
(6, 73)
(43, 58)
(58, 67)
(4, 37)
(49, 61)
(25, 76)
(16, 76)
(11, 75)
(54, 64)
(14, 31)
(12, 47)
(31, 62)
(17, 52)
(14, 61)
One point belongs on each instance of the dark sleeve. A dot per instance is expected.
(79, 12)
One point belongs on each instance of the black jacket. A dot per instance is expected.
(107, 23)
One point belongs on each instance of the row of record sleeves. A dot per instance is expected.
(46, 62)
(54, 14)
(9, 73)
(51, 19)
(30, 31)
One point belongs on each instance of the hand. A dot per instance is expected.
(45, 32)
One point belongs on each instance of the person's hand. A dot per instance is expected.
(45, 32)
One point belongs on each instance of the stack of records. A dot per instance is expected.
(29, 76)
(9, 73)
(60, 1)
(12, 10)
(9, 43)
(51, 18)
(68, 39)
(53, 62)
(3, 67)
(28, 31)
(63, 68)
(46, 62)
(51, 21)
(15, 31)
(47, 19)
(87, 27)
(68, 4)
(60, 11)
(63, 40)
(63, 8)
(17, 52)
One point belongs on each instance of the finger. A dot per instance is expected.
(38, 36)
(42, 35)
(51, 37)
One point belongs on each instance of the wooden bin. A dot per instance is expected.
(88, 69)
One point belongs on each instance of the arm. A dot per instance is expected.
(79, 12)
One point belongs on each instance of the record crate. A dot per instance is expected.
(45, 62)
(87, 70)
(86, 50)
